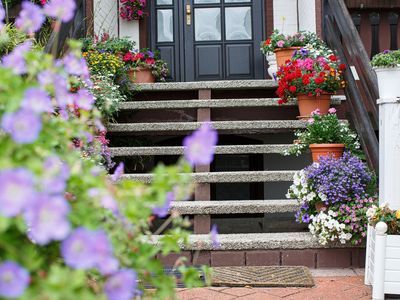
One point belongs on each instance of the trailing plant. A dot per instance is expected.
(334, 196)
(310, 76)
(145, 58)
(105, 43)
(279, 40)
(384, 213)
(10, 37)
(132, 9)
(386, 59)
(325, 129)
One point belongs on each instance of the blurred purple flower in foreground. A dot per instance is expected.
(84, 99)
(37, 100)
(54, 179)
(199, 146)
(163, 211)
(16, 191)
(119, 171)
(13, 280)
(121, 286)
(214, 237)
(2, 15)
(105, 262)
(30, 18)
(16, 59)
(47, 219)
(74, 65)
(24, 126)
(62, 10)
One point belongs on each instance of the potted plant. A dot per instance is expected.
(312, 79)
(145, 66)
(325, 135)
(334, 196)
(284, 46)
(387, 69)
(132, 9)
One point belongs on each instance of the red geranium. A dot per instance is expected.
(333, 57)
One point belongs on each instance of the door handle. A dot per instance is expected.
(188, 15)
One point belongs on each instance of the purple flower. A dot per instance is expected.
(16, 191)
(24, 126)
(2, 15)
(150, 54)
(60, 9)
(386, 51)
(105, 261)
(214, 237)
(74, 65)
(84, 99)
(45, 78)
(77, 249)
(199, 147)
(16, 59)
(121, 286)
(54, 179)
(163, 211)
(13, 280)
(30, 18)
(63, 96)
(37, 100)
(119, 171)
(303, 52)
(47, 219)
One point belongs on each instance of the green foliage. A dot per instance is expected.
(325, 129)
(106, 44)
(9, 38)
(386, 59)
(385, 214)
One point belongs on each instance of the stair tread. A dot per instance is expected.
(227, 177)
(211, 103)
(178, 150)
(255, 241)
(234, 206)
(213, 85)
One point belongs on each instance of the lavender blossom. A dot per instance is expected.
(199, 147)
(30, 18)
(214, 237)
(16, 59)
(121, 286)
(119, 171)
(54, 179)
(162, 211)
(37, 100)
(16, 191)
(14, 279)
(62, 10)
(105, 261)
(74, 65)
(24, 126)
(83, 99)
(2, 15)
(63, 96)
(47, 219)
(45, 78)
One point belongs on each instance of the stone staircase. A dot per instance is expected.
(243, 191)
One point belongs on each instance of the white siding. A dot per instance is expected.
(285, 16)
(307, 15)
(130, 30)
(105, 17)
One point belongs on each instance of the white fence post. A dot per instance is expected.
(378, 292)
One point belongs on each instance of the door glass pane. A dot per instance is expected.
(165, 26)
(207, 24)
(205, 1)
(164, 2)
(238, 23)
(236, 1)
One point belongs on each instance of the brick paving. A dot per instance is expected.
(326, 288)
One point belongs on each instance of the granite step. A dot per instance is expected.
(255, 241)
(211, 103)
(226, 177)
(229, 127)
(206, 85)
(234, 207)
(178, 150)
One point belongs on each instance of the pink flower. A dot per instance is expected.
(310, 121)
(332, 111)
(280, 43)
(316, 112)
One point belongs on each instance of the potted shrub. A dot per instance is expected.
(325, 135)
(334, 196)
(145, 66)
(387, 69)
(312, 79)
(284, 46)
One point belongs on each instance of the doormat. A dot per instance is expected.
(262, 276)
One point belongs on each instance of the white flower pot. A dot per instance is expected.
(388, 82)
(272, 66)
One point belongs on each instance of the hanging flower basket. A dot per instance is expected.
(132, 9)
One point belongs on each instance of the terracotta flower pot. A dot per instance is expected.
(141, 75)
(308, 104)
(283, 54)
(322, 150)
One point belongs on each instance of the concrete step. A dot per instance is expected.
(227, 177)
(178, 150)
(206, 85)
(212, 103)
(234, 207)
(255, 241)
(233, 127)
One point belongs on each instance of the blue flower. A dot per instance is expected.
(13, 279)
